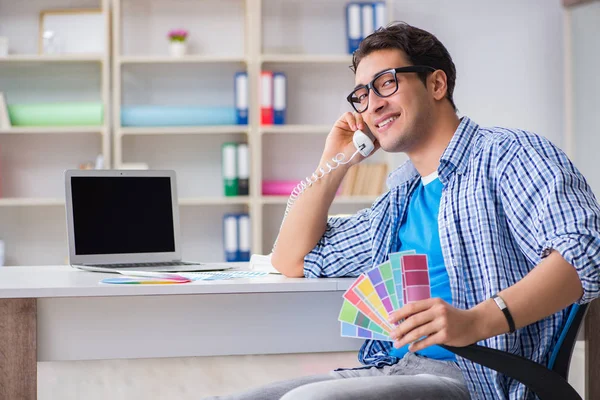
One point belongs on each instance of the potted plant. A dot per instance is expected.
(177, 39)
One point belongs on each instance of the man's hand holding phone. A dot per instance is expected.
(339, 139)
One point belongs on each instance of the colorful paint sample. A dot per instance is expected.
(360, 304)
(396, 263)
(415, 275)
(357, 332)
(354, 316)
(366, 291)
(379, 281)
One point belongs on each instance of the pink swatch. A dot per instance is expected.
(415, 275)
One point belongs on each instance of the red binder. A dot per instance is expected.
(266, 98)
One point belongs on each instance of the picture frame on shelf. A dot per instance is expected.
(72, 31)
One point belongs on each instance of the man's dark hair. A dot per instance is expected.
(419, 46)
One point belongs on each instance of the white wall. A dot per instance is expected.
(508, 55)
(585, 28)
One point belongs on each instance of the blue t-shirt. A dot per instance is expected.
(419, 232)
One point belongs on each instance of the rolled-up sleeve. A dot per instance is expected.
(549, 201)
(344, 249)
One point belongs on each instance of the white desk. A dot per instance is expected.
(57, 313)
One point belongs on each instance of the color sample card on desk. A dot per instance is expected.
(143, 281)
(374, 295)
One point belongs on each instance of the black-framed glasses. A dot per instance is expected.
(384, 84)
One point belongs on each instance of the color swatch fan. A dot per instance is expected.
(378, 292)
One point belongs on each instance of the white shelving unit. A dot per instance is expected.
(45, 58)
(307, 41)
(33, 159)
(144, 73)
(304, 39)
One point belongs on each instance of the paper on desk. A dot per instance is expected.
(151, 274)
(259, 262)
(196, 276)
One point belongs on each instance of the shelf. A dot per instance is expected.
(71, 58)
(214, 201)
(23, 201)
(337, 200)
(183, 130)
(190, 201)
(180, 60)
(296, 129)
(308, 58)
(52, 130)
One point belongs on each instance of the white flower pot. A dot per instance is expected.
(177, 49)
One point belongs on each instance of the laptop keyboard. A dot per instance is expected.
(154, 264)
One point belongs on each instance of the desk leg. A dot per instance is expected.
(592, 358)
(18, 355)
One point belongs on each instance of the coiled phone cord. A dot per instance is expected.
(311, 180)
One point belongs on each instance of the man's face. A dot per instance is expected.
(399, 122)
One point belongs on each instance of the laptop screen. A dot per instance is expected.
(118, 215)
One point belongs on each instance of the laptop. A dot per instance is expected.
(126, 220)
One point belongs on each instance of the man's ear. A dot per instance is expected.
(439, 84)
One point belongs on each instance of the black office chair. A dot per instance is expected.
(549, 382)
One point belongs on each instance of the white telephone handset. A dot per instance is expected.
(364, 146)
(363, 143)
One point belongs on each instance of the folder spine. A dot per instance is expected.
(243, 169)
(380, 13)
(266, 98)
(244, 229)
(353, 26)
(229, 169)
(279, 98)
(241, 97)
(367, 19)
(230, 237)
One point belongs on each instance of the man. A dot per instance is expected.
(498, 212)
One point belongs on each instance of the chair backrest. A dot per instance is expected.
(560, 360)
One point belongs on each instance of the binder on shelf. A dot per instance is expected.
(279, 98)
(266, 98)
(241, 98)
(244, 233)
(4, 118)
(380, 14)
(243, 169)
(367, 19)
(353, 26)
(229, 169)
(230, 237)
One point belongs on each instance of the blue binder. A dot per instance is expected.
(380, 14)
(279, 98)
(241, 98)
(353, 26)
(244, 234)
(367, 19)
(230, 237)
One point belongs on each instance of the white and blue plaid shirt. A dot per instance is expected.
(509, 197)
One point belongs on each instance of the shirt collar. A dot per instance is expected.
(455, 157)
